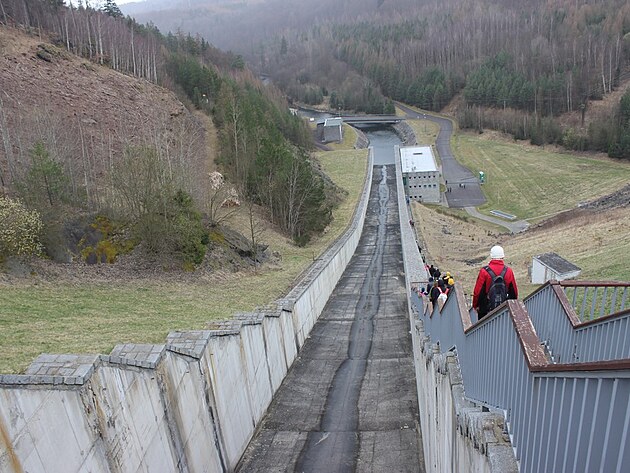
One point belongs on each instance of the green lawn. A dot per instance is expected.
(532, 182)
(426, 134)
(38, 317)
(349, 139)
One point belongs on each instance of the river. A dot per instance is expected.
(382, 138)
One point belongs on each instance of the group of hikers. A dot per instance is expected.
(439, 286)
(495, 284)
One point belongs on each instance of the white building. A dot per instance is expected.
(552, 266)
(421, 176)
(333, 130)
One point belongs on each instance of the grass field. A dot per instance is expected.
(39, 317)
(597, 242)
(531, 182)
(349, 139)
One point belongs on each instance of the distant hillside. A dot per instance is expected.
(518, 65)
(238, 24)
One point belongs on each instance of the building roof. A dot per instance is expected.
(337, 121)
(557, 263)
(417, 159)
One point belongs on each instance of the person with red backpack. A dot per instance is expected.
(495, 284)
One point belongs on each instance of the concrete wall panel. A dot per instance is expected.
(132, 419)
(457, 436)
(184, 392)
(229, 382)
(256, 369)
(39, 422)
(288, 336)
(275, 351)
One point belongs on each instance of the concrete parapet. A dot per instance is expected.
(144, 356)
(52, 369)
(191, 343)
(456, 434)
(415, 270)
(191, 404)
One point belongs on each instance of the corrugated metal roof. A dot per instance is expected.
(557, 263)
(417, 159)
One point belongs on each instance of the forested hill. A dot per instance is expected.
(88, 129)
(516, 65)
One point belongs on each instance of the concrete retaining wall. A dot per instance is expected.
(189, 405)
(456, 434)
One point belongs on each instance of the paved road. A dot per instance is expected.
(453, 173)
(349, 403)
(464, 189)
(514, 226)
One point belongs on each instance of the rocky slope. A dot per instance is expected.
(81, 110)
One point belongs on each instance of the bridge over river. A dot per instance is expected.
(349, 402)
(372, 119)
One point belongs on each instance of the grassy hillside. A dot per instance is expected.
(597, 242)
(533, 182)
(81, 317)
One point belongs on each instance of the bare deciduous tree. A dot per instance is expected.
(222, 201)
(256, 229)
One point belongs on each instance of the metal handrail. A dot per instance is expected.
(566, 335)
(561, 417)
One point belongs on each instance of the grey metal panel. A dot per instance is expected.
(598, 341)
(624, 453)
(565, 421)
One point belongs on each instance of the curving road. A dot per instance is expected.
(454, 174)
(464, 189)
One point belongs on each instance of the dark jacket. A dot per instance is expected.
(434, 294)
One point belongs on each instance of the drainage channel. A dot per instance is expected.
(349, 402)
(336, 445)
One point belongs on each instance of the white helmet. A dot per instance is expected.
(496, 252)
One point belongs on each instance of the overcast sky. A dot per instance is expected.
(98, 3)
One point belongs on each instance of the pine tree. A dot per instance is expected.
(110, 8)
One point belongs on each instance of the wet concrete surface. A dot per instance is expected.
(349, 403)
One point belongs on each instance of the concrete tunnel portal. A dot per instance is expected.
(349, 401)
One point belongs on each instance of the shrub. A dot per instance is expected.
(45, 185)
(20, 229)
(163, 218)
(191, 239)
(177, 231)
(573, 140)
